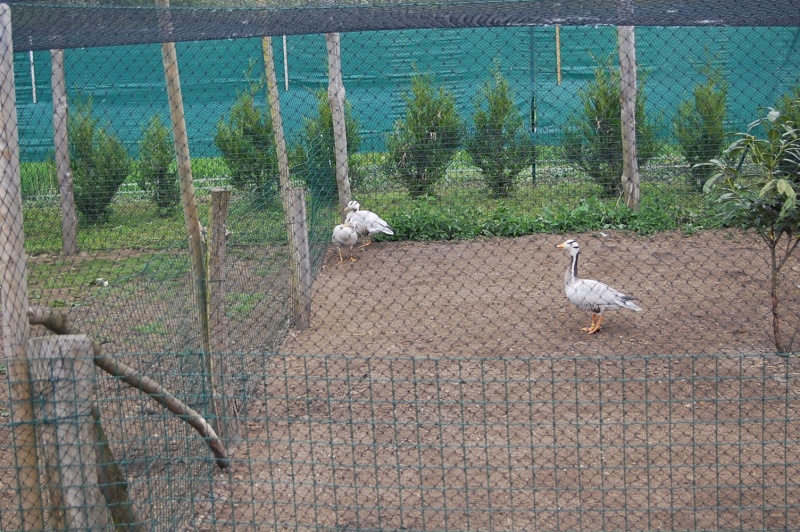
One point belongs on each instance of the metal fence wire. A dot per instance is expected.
(190, 344)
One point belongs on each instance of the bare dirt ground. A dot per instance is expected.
(447, 386)
(461, 393)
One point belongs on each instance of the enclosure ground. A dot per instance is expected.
(701, 293)
(447, 385)
(457, 391)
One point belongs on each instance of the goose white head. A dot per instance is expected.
(352, 206)
(570, 245)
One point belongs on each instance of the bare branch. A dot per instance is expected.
(57, 323)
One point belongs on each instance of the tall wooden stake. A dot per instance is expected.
(627, 70)
(293, 201)
(277, 118)
(69, 220)
(16, 329)
(188, 198)
(336, 95)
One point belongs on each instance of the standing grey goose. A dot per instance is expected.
(366, 223)
(590, 295)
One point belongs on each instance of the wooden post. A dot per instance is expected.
(336, 96)
(61, 367)
(300, 260)
(558, 54)
(69, 220)
(294, 205)
(188, 198)
(627, 70)
(226, 418)
(16, 329)
(277, 118)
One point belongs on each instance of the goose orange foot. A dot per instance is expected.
(595, 326)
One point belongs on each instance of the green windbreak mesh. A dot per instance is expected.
(443, 365)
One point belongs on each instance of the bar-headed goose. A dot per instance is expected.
(345, 235)
(590, 295)
(367, 223)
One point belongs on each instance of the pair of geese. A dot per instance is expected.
(586, 294)
(357, 223)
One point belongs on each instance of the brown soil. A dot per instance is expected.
(448, 386)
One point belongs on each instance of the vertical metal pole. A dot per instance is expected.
(285, 65)
(33, 76)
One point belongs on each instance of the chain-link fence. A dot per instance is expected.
(190, 344)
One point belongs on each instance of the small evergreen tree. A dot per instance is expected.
(100, 163)
(158, 173)
(699, 125)
(247, 143)
(315, 155)
(500, 144)
(593, 138)
(424, 143)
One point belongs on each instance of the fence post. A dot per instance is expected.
(300, 260)
(627, 69)
(14, 292)
(61, 369)
(336, 96)
(225, 415)
(169, 56)
(69, 220)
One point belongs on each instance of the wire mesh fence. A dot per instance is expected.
(201, 361)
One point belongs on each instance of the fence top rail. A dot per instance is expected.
(53, 25)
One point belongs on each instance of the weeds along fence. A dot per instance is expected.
(184, 349)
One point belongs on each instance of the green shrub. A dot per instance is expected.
(756, 185)
(315, 156)
(247, 143)
(789, 110)
(500, 144)
(699, 125)
(158, 174)
(424, 142)
(100, 163)
(593, 138)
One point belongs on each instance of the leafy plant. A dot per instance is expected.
(100, 163)
(158, 174)
(315, 155)
(500, 144)
(247, 143)
(762, 194)
(699, 125)
(593, 138)
(790, 112)
(424, 142)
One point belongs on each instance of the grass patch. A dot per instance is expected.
(242, 304)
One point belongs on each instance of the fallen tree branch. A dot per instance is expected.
(57, 323)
